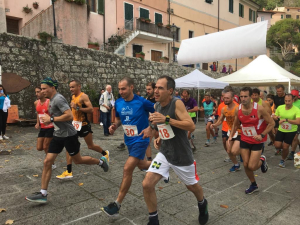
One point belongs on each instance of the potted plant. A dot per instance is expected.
(93, 45)
(168, 26)
(164, 59)
(147, 20)
(140, 55)
(159, 24)
(44, 36)
(35, 5)
(142, 19)
(27, 10)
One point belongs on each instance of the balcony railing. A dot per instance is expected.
(153, 29)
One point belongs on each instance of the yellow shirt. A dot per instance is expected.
(79, 115)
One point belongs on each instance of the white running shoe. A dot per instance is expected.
(53, 166)
(5, 137)
(101, 124)
(1, 138)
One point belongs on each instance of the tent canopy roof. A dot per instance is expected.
(262, 71)
(199, 80)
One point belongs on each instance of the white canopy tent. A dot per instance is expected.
(262, 71)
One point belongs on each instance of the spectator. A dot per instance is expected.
(101, 117)
(177, 94)
(224, 70)
(230, 70)
(213, 67)
(138, 93)
(4, 105)
(106, 103)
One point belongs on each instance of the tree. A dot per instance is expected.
(284, 35)
(270, 4)
(295, 69)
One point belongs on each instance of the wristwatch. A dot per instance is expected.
(77, 108)
(51, 119)
(152, 126)
(167, 120)
(262, 135)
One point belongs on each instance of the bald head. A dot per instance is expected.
(108, 88)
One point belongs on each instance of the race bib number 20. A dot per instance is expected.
(165, 131)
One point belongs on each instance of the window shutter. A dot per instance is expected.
(101, 7)
(254, 17)
(144, 13)
(243, 11)
(158, 18)
(250, 14)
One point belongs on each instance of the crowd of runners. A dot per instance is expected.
(246, 119)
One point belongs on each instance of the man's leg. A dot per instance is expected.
(105, 127)
(39, 144)
(90, 144)
(46, 144)
(294, 147)
(236, 165)
(246, 157)
(108, 120)
(149, 183)
(47, 170)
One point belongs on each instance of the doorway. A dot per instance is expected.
(156, 55)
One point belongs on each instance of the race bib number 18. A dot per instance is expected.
(249, 131)
(165, 131)
(130, 130)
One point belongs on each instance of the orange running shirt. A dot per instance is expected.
(224, 124)
(79, 115)
(229, 115)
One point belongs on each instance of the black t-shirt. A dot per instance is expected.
(151, 100)
(278, 100)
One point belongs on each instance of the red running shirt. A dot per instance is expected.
(41, 110)
(251, 125)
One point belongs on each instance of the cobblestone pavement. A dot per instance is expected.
(277, 201)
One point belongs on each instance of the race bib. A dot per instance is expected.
(41, 122)
(165, 131)
(286, 126)
(130, 130)
(77, 125)
(56, 127)
(249, 131)
(234, 136)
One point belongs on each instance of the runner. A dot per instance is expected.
(289, 119)
(270, 100)
(228, 113)
(295, 142)
(132, 112)
(150, 93)
(80, 106)
(46, 132)
(64, 134)
(171, 119)
(191, 107)
(209, 111)
(256, 123)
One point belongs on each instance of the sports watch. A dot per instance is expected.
(51, 119)
(262, 135)
(77, 108)
(167, 120)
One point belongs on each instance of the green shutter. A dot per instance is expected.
(144, 13)
(231, 6)
(101, 7)
(128, 11)
(250, 14)
(158, 18)
(254, 17)
(243, 11)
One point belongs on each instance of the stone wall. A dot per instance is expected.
(32, 60)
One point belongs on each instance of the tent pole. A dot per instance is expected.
(289, 86)
(198, 108)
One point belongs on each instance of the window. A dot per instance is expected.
(231, 6)
(209, 1)
(136, 49)
(92, 4)
(281, 16)
(288, 16)
(191, 34)
(101, 7)
(177, 35)
(297, 17)
(241, 10)
(253, 16)
(250, 14)
(262, 18)
(144, 13)
(158, 18)
(288, 10)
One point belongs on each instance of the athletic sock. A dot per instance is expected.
(100, 162)
(149, 158)
(237, 164)
(103, 153)
(201, 202)
(153, 216)
(254, 183)
(118, 204)
(44, 192)
(69, 168)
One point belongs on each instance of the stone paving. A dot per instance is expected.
(277, 201)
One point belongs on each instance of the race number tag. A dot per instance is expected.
(77, 125)
(165, 131)
(211, 118)
(56, 128)
(41, 122)
(249, 131)
(286, 126)
(130, 130)
(234, 136)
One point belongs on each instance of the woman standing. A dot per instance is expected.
(4, 105)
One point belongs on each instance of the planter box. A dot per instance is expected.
(96, 115)
(35, 6)
(13, 114)
(137, 55)
(93, 47)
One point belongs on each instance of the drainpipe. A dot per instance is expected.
(0, 71)
(104, 22)
(169, 10)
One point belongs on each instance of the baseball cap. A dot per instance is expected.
(295, 92)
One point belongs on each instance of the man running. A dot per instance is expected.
(132, 112)
(296, 103)
(64, 134)
(209, 108)
(228, 113)
(46, 132)
(80, 106)
(270, 100)
(172, 121)
(289, 119)
(255, 124)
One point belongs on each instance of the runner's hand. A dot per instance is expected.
(37, 126)
(275, 117)
(156, 118)
(257, 137)
(147, 133)
(46, 119)
(157, 143)
(212, 126)
(112, 129)
(228, 143)
(281, 121)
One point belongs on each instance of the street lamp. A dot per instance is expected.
(173, 31)
(55, 35)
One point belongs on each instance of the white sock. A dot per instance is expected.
(236, 164)
(44, 192)
(100, 162)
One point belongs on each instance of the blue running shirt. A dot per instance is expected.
(134, 112)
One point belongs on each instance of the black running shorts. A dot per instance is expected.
(85, 130)
(71, 144)
(251, 147)
(46, 133)
(286, 137)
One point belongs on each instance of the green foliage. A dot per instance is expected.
(295, 69)
(79, 2)
(93, 95)
(26, 9)
(93, 43)
(285, 35)
(142, 59)
(115, 40)
(44, 37)
(278, 61)
(141, 53)
(269, 4)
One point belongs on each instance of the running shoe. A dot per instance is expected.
(5, 137)
(270, 143)
(282, 164)
(112, 209)
(65, 175)
(203, 213)
(37, 197)
(53, 166)
(206, 144)
(227, 160)
(104, 164)
(278, 152)
(192, 136)
(122, 146)
(235, 168)
(107, 156)
(214, 140)
(167, 180)
(251, 189)
(291, 156)
(101, 124)
(1, 138)
(264, 166)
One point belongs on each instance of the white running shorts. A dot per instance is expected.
(187, 174)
